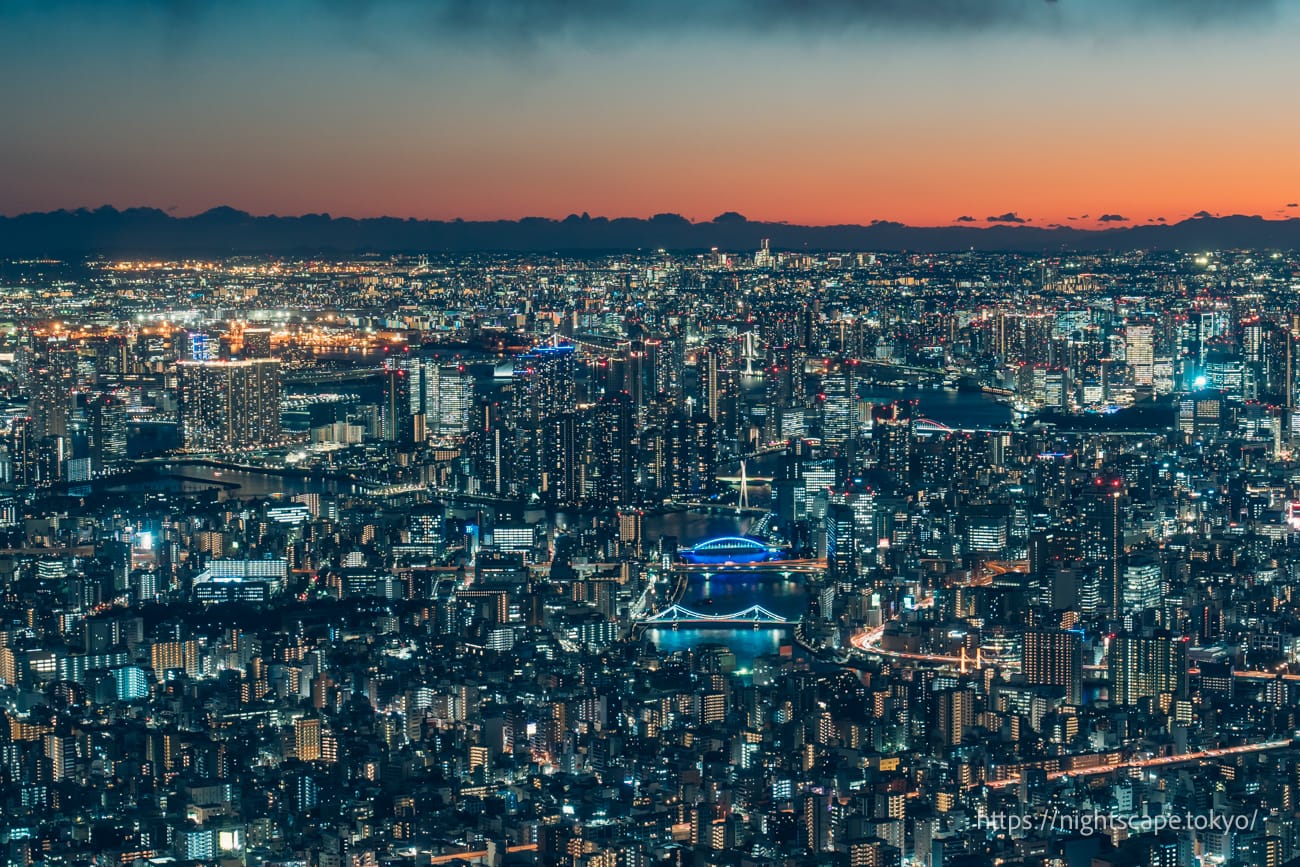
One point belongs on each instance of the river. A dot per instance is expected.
(946, 406)
(720, 595)
(184, 477)
(724, 594)
(736, 592)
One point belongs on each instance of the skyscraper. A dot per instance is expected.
(955, 711)
(1054, 658)
(638, 372)
(1145, 667)
(546, 376)
(307, 737)
(690, 456)
(1139, 349)
(839, 403)
(107, 434)
(1142, 587)
(561, 439)
(229, 404)
(818, 827)
(544, 387)
(419, 374)
(1103, 535)
(892, 432)
(986, 529)
(611, 435)
(785, 392)
(708, 372)
(455, 401)
(841, 544)
(395, 411)
(24, 466)
(52, 381)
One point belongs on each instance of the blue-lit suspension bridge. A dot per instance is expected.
(755, 615)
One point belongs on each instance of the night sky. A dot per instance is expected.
(809, 111)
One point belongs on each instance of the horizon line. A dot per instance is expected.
(1010, 219)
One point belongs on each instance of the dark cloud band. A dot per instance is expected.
(510, 20)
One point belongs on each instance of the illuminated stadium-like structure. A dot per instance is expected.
(731, 549)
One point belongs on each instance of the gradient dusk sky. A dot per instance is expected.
(809, 111)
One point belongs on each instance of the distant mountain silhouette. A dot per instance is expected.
(226, 231)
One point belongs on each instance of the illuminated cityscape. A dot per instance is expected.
(751, 557)
(689, 433)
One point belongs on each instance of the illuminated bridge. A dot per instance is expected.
(755, 615)
(927, 426)
(785, 568)
(730, 550)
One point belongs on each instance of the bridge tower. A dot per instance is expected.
(744, 487)
(749, 351)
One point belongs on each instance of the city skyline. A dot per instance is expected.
(961, 113)
(746, 557)
(694, 433)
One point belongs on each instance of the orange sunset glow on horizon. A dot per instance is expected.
(1036, 113)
